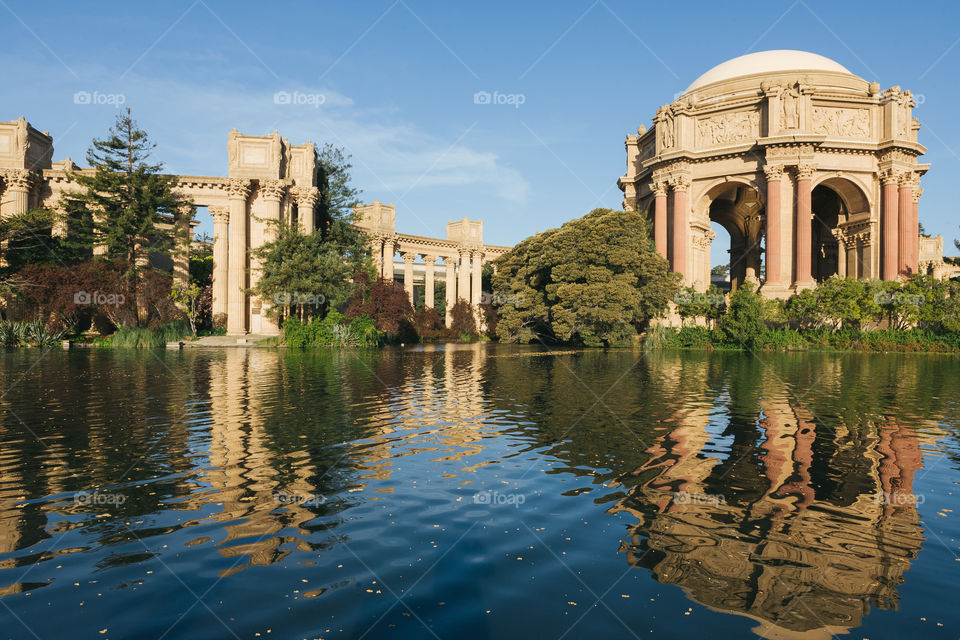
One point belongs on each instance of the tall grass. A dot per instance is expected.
(29, 334)
(143, 338)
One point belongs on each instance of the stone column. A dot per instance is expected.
(660, 217)
(803, 275)
(681, 227)
(376, 253)
(451, 286)
(221, 219)
(917, 192)
(908, 231)
(306, 201)
(16, 196)
(238, 190)
(272, 192)
(463, 280)
(774, 278)
(389, 248)
(408, 259)
(428, 300)
(181, 253)
(890, 227)
(475, 290)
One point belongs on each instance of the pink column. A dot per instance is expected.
(681, 230)
(917, 192)
(804, 240)
(889, 223)
(774, 273)
(660, 217)
(909, 249)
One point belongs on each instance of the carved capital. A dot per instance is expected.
(659, 188)
(916, 195)
(805, 171)
(307, 196)
(680, 183)
(408, 257)
(18, 179)
(221, 215)
(773, 172)
(909, 179)
(238, 188)
(273, 189)
(429, 259)
(889, 176)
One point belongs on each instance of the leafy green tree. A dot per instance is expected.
(743, 324)
(338, 196)
(131, 207)
(839, 302)
(802, 309)
(305, 274)
(595, 281)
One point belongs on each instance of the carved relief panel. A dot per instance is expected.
(841, 122)
(728, 128)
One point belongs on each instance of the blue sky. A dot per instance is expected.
(398, 80)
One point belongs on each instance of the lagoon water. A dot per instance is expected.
(478, 491)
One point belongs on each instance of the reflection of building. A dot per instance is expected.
(812, 170)
(755, 538)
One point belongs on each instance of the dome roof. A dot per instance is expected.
(767, 62)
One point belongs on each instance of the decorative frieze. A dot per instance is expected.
(728, 128)
(841, 122)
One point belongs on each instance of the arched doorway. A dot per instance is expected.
(739, 210)
(838, 204)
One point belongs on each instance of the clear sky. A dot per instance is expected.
(397, 81)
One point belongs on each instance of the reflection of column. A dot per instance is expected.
(909, 242)
(221, 219)
(804, 244)
(660, 217)
(408, 259)
(889, 249)
(451, 287)
(428, 281)
(463, 283)
(306, 201)
(388, 250)
(774, 175)
(681, 228)
(238, 189)
(272, 192)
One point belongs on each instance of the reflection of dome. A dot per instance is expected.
(767, 62)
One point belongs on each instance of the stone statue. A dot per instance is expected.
(790, 106)
(233, 148)
(276, 147)
(665, 129)
(22, 141)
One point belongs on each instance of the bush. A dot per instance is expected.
(386, 302)
(462, 320)
(332, 331)
(743, 325)
(428, 323)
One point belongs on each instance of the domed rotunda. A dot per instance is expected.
(811, 169)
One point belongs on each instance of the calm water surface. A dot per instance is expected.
(478, 491)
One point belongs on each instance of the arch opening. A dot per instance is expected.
(738, 210)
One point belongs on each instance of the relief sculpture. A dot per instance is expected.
(838, 122)
(727, 128)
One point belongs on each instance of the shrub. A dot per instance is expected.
(462, 320)
(743, 324)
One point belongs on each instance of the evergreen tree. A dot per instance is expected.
(127, 208)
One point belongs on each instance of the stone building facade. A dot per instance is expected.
(812, 170)
(268, 179)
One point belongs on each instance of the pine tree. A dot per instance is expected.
(128, 208)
